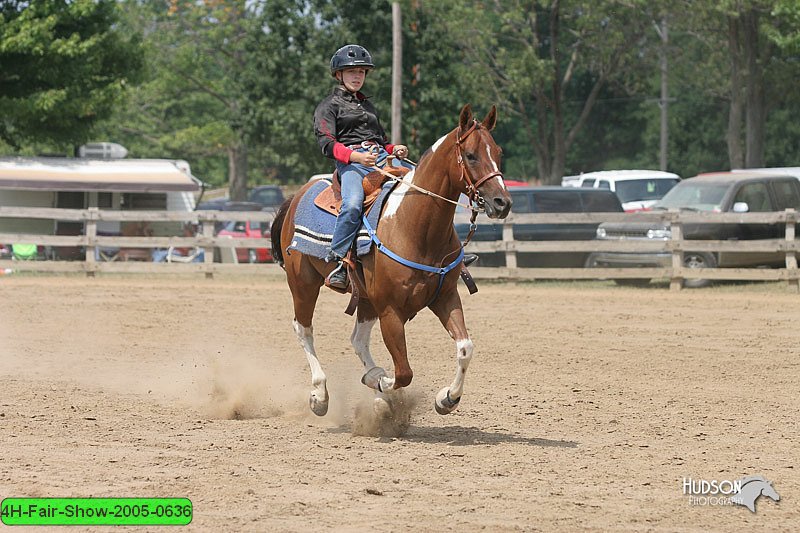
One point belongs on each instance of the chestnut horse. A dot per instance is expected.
(418, 228)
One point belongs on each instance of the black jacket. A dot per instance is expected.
(344, 119)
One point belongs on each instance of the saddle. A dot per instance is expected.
(330, 199)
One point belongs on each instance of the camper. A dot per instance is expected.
(79, 183)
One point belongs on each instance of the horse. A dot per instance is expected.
(406, 273)
(752, 488)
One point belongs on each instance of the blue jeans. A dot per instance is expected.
(349, 220)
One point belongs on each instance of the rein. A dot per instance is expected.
(424, 191)
(474, 196)
(472, 185)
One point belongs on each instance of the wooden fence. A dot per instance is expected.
(90, 240)
(675, 246)
(206, 240)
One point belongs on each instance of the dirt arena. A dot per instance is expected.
(585, 406)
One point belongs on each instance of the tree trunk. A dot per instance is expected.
(756, 115)
(734, 136)
(237, 170)
(559, 144)
(543, 153)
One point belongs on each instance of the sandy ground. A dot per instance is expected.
(586, 405)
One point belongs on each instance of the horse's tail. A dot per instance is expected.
(277, 228)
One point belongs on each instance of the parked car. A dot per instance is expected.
(223, 204)
(546, 200)
(636, 189)
(270, 197)
(738, 192)
(248, 230)
(217, 204)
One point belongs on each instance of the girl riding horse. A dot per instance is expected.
(349, 131)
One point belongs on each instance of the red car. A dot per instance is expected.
(249, 230)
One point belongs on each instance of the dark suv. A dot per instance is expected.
(737, 192)
(547, 200)
(269, 196)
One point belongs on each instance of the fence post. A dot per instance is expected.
(676, 237)
(508, 237)
(791, 257)
(91, 246)
(208, 255)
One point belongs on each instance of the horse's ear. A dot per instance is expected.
(465, 120)
(491, 119)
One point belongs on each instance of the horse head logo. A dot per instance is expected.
(752, 488)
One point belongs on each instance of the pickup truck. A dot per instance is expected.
(719, 192)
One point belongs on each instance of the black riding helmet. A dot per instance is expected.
(350, 56)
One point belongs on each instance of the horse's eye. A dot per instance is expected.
(470, 157)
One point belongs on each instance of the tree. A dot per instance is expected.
(531, 52)
(751, 33)
(63, 66)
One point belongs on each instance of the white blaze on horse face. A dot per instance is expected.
(496, 168)
(396, 197)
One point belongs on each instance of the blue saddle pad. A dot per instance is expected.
(313, 226)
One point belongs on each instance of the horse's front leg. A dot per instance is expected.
(448, 308)
(394, 337)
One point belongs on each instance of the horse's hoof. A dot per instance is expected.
(318, 407)
(444, 404)
(382, 408)
(372, 378)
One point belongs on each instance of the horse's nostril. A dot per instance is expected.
(500, 203)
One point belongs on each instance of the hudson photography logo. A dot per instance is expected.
(744, 491)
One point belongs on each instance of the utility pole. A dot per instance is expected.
(663, 103)
(397, 73)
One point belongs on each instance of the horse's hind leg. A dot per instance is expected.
(304, 296)
(375, 377)
(448, 308)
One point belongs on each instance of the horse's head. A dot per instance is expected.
(479, 161)
(769, 491)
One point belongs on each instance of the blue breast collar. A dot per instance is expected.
(442, 271)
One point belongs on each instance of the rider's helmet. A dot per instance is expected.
(349, 56)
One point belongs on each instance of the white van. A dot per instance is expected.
(636, 189)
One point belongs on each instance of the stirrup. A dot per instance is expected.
(469, 259)
(337, 279)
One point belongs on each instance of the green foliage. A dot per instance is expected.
(63, 67)
(576, 81)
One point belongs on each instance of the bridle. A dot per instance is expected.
(471, 184)
(474, 197)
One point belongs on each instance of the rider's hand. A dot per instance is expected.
(368, 159)
(400, 150)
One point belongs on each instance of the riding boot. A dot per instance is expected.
(338, 277)
(469, 259)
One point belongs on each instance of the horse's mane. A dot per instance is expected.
(429, 151)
